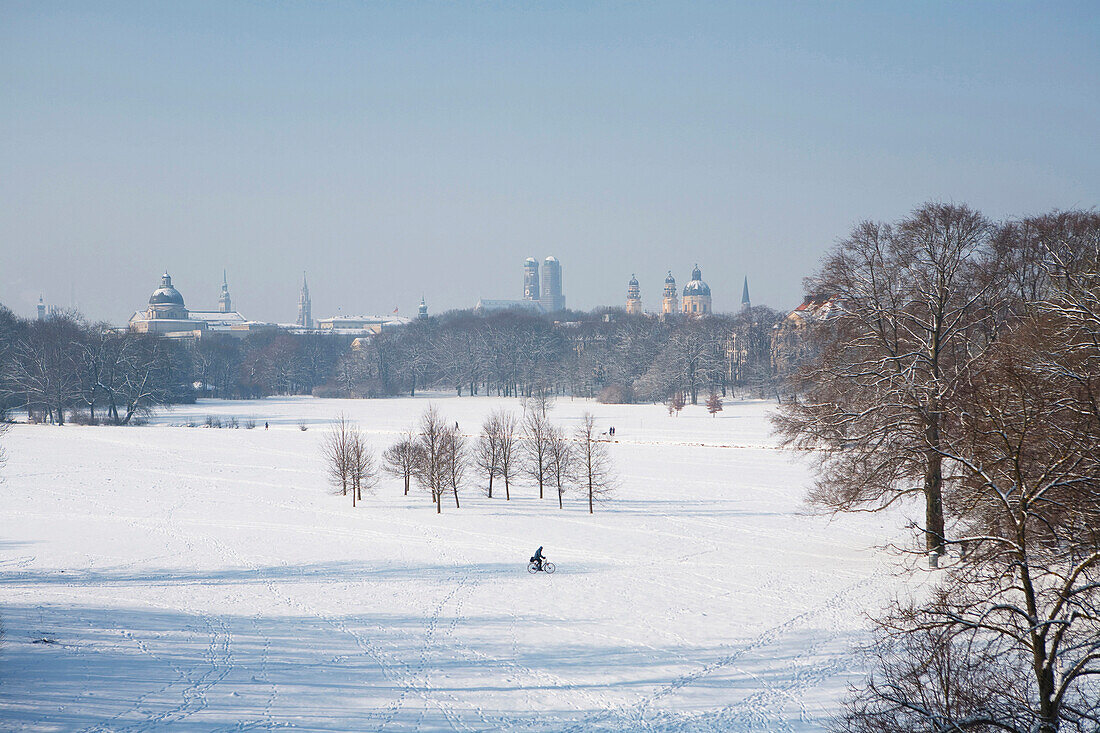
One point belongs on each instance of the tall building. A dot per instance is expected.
(225, 304)
(548, 299)
(633, 297)
(41, 309)
(305, 309)
(531, 279)
(670, 302)
(552, 299)
(746, 304)
(697, 295)
(422, 310)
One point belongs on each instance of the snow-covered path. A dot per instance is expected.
(206, 579)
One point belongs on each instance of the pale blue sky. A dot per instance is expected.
(399, 149)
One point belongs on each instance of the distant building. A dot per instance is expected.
(790, 345)
(670, 301)
(305, 307)
(548, 299)
(41, 309)
(746, 304)
(531, 279)
(225, 303)
(422, 310)
(697, 295)
(552, 298)
(634, 297)
(359, 325)
(167, 315)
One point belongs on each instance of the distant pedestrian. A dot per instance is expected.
(265, 424)
(456, 424)
(612, 431)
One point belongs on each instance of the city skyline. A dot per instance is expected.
(393, 149)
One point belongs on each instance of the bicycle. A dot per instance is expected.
(547, 567)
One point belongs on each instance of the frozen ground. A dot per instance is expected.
(199, 579)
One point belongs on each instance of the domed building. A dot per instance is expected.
(166, 301)
(670, 301)
(167, 315)
(696, 295)
(634, 297)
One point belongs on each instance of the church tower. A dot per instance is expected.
(531, 279)
(41, 309)
(746, 304)
(305, 310)
(670, 303)
(633, 297)
(225, 304)
(422, 310)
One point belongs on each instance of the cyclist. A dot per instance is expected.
(537, 558)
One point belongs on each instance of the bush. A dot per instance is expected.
(213, 421)
(616, 394)
(250, 423)
(232, 423)
(79, 417)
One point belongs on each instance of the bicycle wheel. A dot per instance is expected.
(532, 567)
(549, 567)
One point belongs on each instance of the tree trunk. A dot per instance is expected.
(439, 502)
(455, 490)
(406, 484)
(507, 493)
(933, 499)
(490, 484)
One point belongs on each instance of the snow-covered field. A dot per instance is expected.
(201, 579)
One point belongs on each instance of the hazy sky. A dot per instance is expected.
(399, 149)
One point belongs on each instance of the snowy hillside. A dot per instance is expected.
(204, 579)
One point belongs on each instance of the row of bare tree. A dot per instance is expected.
(438, 458)
(963, 368)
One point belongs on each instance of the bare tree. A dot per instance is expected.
(561, 461)
(431, 468)
(510, 450)
(1016, 619)
(915, 311)
(362, 466)
(536, 436)
(593, 464)
(488, 447)
(399, 460)
(336, 450)
(456, 459)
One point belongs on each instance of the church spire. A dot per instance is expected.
(305, 309)
(225, 303)
(745, 302)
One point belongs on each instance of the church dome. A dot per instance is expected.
(696, 286)
(633, 281)
(670, 280)
(166, 294)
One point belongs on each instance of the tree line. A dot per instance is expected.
(607, 354)
(64, 367)
(962, 368)
(442, 461)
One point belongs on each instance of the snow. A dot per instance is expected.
(205, 579)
